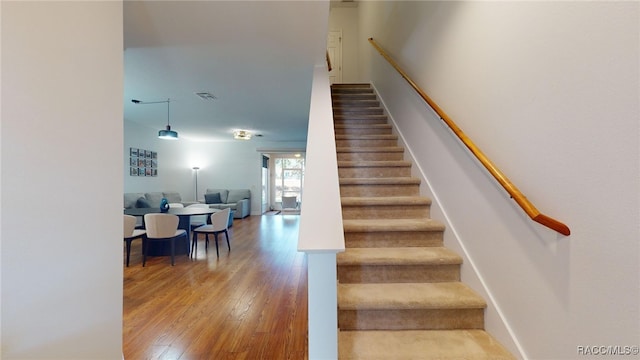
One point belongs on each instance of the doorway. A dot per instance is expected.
(282, 175)
(334, 50)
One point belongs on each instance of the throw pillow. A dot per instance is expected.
(142, 203)
(212, 198)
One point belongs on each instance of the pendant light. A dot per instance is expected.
(167, 133)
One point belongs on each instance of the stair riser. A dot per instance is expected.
(363, 131)
(370, 156)
(352, 97)
(337, 91)
(393, 239)
(385, 212)
(411, 319)
(357, 111)
(373, 172)
(366, 142)
(379, 190)
(354, 104)
(351, 274)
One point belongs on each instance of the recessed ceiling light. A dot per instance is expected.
(242, 135)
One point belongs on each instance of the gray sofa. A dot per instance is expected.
(239, 200)
(152, 199)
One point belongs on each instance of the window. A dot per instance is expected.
(289, 173)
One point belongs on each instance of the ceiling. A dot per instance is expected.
(255, 57)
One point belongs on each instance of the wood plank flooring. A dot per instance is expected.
(251, 303)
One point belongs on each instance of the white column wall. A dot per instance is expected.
(550, 92)
(322, 203)
(61, 180)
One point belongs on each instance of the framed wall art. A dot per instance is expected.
(143, 162)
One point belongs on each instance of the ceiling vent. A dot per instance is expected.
(205, 96)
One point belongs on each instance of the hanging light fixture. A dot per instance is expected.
(166, 134)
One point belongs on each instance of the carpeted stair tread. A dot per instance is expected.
(352, 90)
(356, 164)
(399, 256)
(381, 181)
(363, 129)
(362, 126)
(378, 225)
(360, 119)
(403, 296)
(420, 345)
(350, 85)
(360, 116)
(385, 200)
(380, 149)
(357, 109)
(367, 137)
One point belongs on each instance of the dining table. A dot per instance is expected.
(157, 248)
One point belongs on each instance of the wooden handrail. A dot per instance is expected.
(329, 67)
(516, 195)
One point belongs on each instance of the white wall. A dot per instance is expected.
(61, 181)
(232, 164)
(346, 19)
(550, 92)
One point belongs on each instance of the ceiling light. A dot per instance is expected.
(242, 135)
(166, 134)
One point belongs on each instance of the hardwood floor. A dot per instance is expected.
(251, 303)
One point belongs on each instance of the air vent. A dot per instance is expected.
(206, 96)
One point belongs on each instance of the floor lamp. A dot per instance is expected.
(195, 168)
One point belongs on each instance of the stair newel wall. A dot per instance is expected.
(320, 232)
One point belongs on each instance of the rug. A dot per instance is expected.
(272, 212)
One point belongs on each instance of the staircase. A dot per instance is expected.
(399, 289)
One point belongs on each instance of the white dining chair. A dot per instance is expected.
(219, 224)
(198, 220)
(131, 233)
(162, 227)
